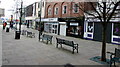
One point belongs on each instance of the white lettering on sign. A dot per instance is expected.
(53, 19)
(74, 24)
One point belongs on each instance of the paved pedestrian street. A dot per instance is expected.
(29, 51)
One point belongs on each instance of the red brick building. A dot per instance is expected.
(62, 7)
(65, 18)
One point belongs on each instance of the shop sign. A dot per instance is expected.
(74, 24)
(50, 19)
(53, 19)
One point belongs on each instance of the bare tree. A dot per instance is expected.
(104, 12)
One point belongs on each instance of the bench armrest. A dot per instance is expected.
(76, 44)
(111, 53)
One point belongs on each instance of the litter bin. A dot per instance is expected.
(17, 34)
(7, 29)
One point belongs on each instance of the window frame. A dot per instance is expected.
(75, 8)
(56, 11)
(49, 11)
(63, 11)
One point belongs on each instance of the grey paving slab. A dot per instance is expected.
(29, 51)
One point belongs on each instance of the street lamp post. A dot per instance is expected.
(18, 32)
(16, 13)
(40, 32)
(20, 16)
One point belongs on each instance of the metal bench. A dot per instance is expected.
(24, 32)
(114, 57)
(68, 43)
(46, 37)
(30, 34)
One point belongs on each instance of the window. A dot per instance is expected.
(116, 30)
(38, 5)
(64, 9)
(43, 4)
(90, 27)
(49, 11)
(56, 11)
(75, 7)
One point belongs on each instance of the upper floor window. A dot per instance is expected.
(43, 3)
(64, 10)
(49, 11)
(56, 11)
(75, 8)
(38, 5)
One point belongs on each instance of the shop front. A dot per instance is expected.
(74, 26)
(93, 31)
(64, 26)
(116, 33)
(74, 29)
(88, 30)
(50, 25)
(29, 23)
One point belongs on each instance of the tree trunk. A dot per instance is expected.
(103, 54)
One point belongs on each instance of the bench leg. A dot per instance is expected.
(47, 42)
(61, 45)
(110, 63)
(114, 64)
(57, 45)
(73, 50)
(50, 42)
(77, 49)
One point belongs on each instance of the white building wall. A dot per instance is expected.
(63, 28)
(43, 9)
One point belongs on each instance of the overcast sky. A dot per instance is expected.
(9, 5)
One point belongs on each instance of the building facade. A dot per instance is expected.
(64, 18)
(32, 14)
(93, 28)
(2, 14)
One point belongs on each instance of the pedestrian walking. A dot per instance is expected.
(11, 24)
(4, 25)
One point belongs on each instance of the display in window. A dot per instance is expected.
(116, 30)
(90, 27)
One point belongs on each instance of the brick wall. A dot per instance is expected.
(69, 13)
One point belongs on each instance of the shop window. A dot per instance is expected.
(116, 29)
(90, 27)
(73, 30)
(55, 31)
(55, 26)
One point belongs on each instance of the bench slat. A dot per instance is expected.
(47, 38)
(68, 43)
